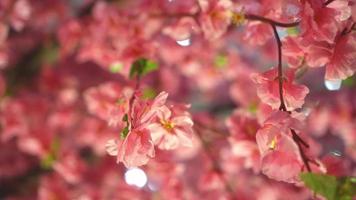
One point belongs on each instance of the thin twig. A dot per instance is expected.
(296, 138)
(328, 2)
(305, 159)
(270, 21)
(280, 70)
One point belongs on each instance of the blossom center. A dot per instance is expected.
(273, 144)
(238, 18)
(168, 125)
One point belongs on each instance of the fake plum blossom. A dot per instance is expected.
(182, 29)
(79, 80)
(339, 58)
(280, 159)
(108, 101)
(215, 17)
(293, 51)
(243, 127)
(257, 33)
(268, 89)
(343, 60)
(137, 147)
(171, 129)
(319, 22)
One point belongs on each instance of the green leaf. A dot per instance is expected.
(125, 118)
(331, 187)
(252, 107)
(220, 61)
(350, 81)
(115, 67)
(347, 188)
(47, 161)
(292, 31)
(51, 156)
(49, 53)
(149, 93)
(124, 132)
(142, 66)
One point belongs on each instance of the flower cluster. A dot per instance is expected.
(150, 123)
(258, 99)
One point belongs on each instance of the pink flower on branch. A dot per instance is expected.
(280, 158)
(171, 129)
(136, 147)
(339, 58)
(319, 21)
(215, 17)
(268, 89)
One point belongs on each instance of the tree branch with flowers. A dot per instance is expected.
(177, 99)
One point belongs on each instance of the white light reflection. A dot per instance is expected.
(136, 177)
(333, 84)
(336, 153)
(184, 43)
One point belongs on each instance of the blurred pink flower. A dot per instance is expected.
(215, 17)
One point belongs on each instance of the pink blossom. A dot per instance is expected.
(53, 187)
(137, 147)
(293, 51)
(215, 17)
(268, 89)
(182, 29)
(339, 58)
(342, 8)
(171, 129)
(343, 60)
(257, 33)
(69, 166)
(20, 14)
(4, 29)
(318, 21)
(109, 101)
(136, 150)
(280, 159)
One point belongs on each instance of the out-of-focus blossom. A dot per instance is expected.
(108, 101)
(215, 17)
(182, 29)
(258, 33)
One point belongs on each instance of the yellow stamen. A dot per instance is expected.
(273, 144)
(238, 18)
(167, 125)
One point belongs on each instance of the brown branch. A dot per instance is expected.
(270, 21)
(296, 138)
(328, 2)
(304, 157)
(280, 70)
(345, 32)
